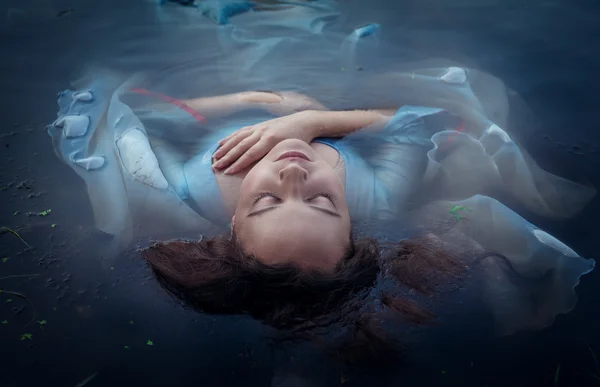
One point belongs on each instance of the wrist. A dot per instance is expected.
(312, 122)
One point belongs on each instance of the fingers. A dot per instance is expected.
(231, 141)
(237, 151)
(244, 129)
(255, 153)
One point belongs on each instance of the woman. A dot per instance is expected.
(293, 186)
(284, 191)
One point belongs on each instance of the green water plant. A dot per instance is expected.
(456, 210)
(26, 336)
(10, 230)
(20, 295)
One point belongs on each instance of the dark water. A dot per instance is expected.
(102, 311)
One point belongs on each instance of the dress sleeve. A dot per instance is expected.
(396, 155)
(433, 149)
(132, 184)
(471, 149)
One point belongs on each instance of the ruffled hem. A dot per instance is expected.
(536, 279)
(461, 165)
(131, 192)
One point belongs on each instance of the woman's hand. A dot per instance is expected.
(251, 143)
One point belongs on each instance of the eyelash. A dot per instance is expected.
(265, 194)
(325, 195)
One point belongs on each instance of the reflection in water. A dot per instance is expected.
(309, 49)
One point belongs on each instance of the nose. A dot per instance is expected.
(293, 171)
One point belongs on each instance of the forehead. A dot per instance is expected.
(303, 238)
(307, 247)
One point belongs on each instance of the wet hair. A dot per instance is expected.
(216, 276)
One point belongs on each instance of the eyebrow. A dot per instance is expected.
(272, 208)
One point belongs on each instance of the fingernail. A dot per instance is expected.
(229, 171)
(217, 165)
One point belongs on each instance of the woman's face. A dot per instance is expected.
(292, 209)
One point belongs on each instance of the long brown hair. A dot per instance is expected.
(216, 276)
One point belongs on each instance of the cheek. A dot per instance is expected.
(256, 177)
(328, 178)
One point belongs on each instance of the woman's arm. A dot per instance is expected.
(223, 105)
(279, 104)
(251, 143)
(342, 123)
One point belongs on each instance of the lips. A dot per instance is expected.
(293, 155)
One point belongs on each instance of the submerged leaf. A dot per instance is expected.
(455, 209)
(4, 322)
(27, 336)
(5, 259)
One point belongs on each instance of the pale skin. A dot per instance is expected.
(287, 209)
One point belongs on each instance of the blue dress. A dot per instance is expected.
(443, 157)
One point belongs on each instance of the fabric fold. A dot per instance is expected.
(461, 165)
(528, 276)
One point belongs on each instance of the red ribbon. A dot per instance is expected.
(180, 104)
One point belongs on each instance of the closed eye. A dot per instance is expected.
(325, 195)
(265, 195)
(270, 200)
